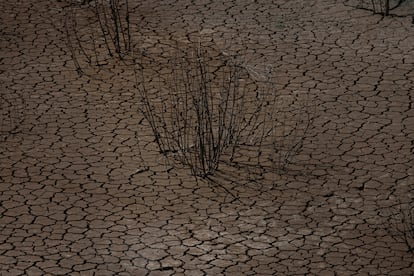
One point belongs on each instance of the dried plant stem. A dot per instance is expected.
(71, 48)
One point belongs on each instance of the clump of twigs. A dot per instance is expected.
(98, 32)
(379, 6)
(203, 106)
(194, 107)
(401, 219)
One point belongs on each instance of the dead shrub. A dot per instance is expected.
(203, 107)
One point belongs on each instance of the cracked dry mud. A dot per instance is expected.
(83, 190)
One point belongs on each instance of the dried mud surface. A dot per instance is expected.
(83, 190)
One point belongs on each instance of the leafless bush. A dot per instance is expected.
(98, 32)
(377, 6)
(401, 219)
(193, 107)
(203, 106)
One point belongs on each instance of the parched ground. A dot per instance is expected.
(83, 190)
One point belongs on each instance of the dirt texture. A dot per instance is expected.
(84, 191)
